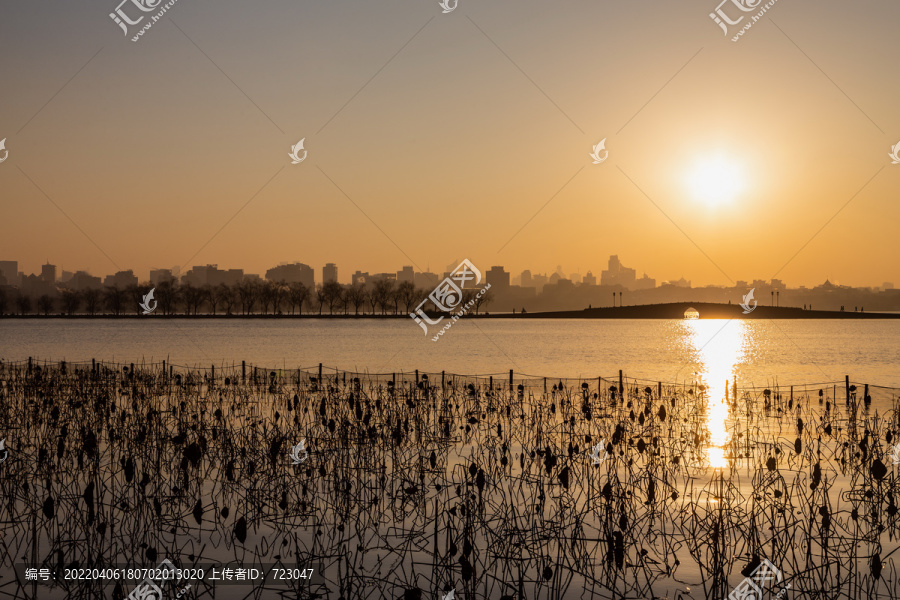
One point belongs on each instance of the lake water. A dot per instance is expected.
(760, 353)
(404, 482)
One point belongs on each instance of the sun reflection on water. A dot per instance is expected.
(718, 348)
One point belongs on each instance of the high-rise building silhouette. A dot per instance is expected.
(121, 280)
(199, 276)
(9, 269)
(498, 278)
(48, 273)
(426, 280)
(618, 274)
(158, 276)
(82, 280)
(293, 273)
(329, 273)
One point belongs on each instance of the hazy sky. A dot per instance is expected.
(433, 137)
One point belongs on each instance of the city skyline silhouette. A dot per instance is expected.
(432, 135)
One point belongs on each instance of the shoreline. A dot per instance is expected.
(673, 310)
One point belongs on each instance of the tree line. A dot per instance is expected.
(249, 297)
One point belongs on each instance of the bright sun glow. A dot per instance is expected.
(716, 180)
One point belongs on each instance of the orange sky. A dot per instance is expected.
(469, 124)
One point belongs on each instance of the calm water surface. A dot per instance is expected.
(759, 353)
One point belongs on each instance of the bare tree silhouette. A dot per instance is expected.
(114, 299)
(166, 295)
(332, 294)
(268, 296)
(193, 298)
(248, 291)
(70, 301)
(384, 292)
(45, 304)
(406, 294)
(92, 298)
(484, 299)
(321, 298)
(356, 295)
(298, 294)
(23, 304)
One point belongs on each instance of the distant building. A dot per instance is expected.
(589, 279)
(829, 287)
(539, 281)
(387, 276)
(360, 278)
(498, 278)
(887, 285)
(525, 279)
(82, 280)
(34, 285)
(48, 273)
(158, 276)
(426, 281)
(645, 283)
(293, 273)
(682, 283)
(9, 270)
(66, 276)
(406, 274)
(200, 276)
(618, 274)
(329, 273)
(121, 280)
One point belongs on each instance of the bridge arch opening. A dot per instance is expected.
(691, 313)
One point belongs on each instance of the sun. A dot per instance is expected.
(716, 180)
